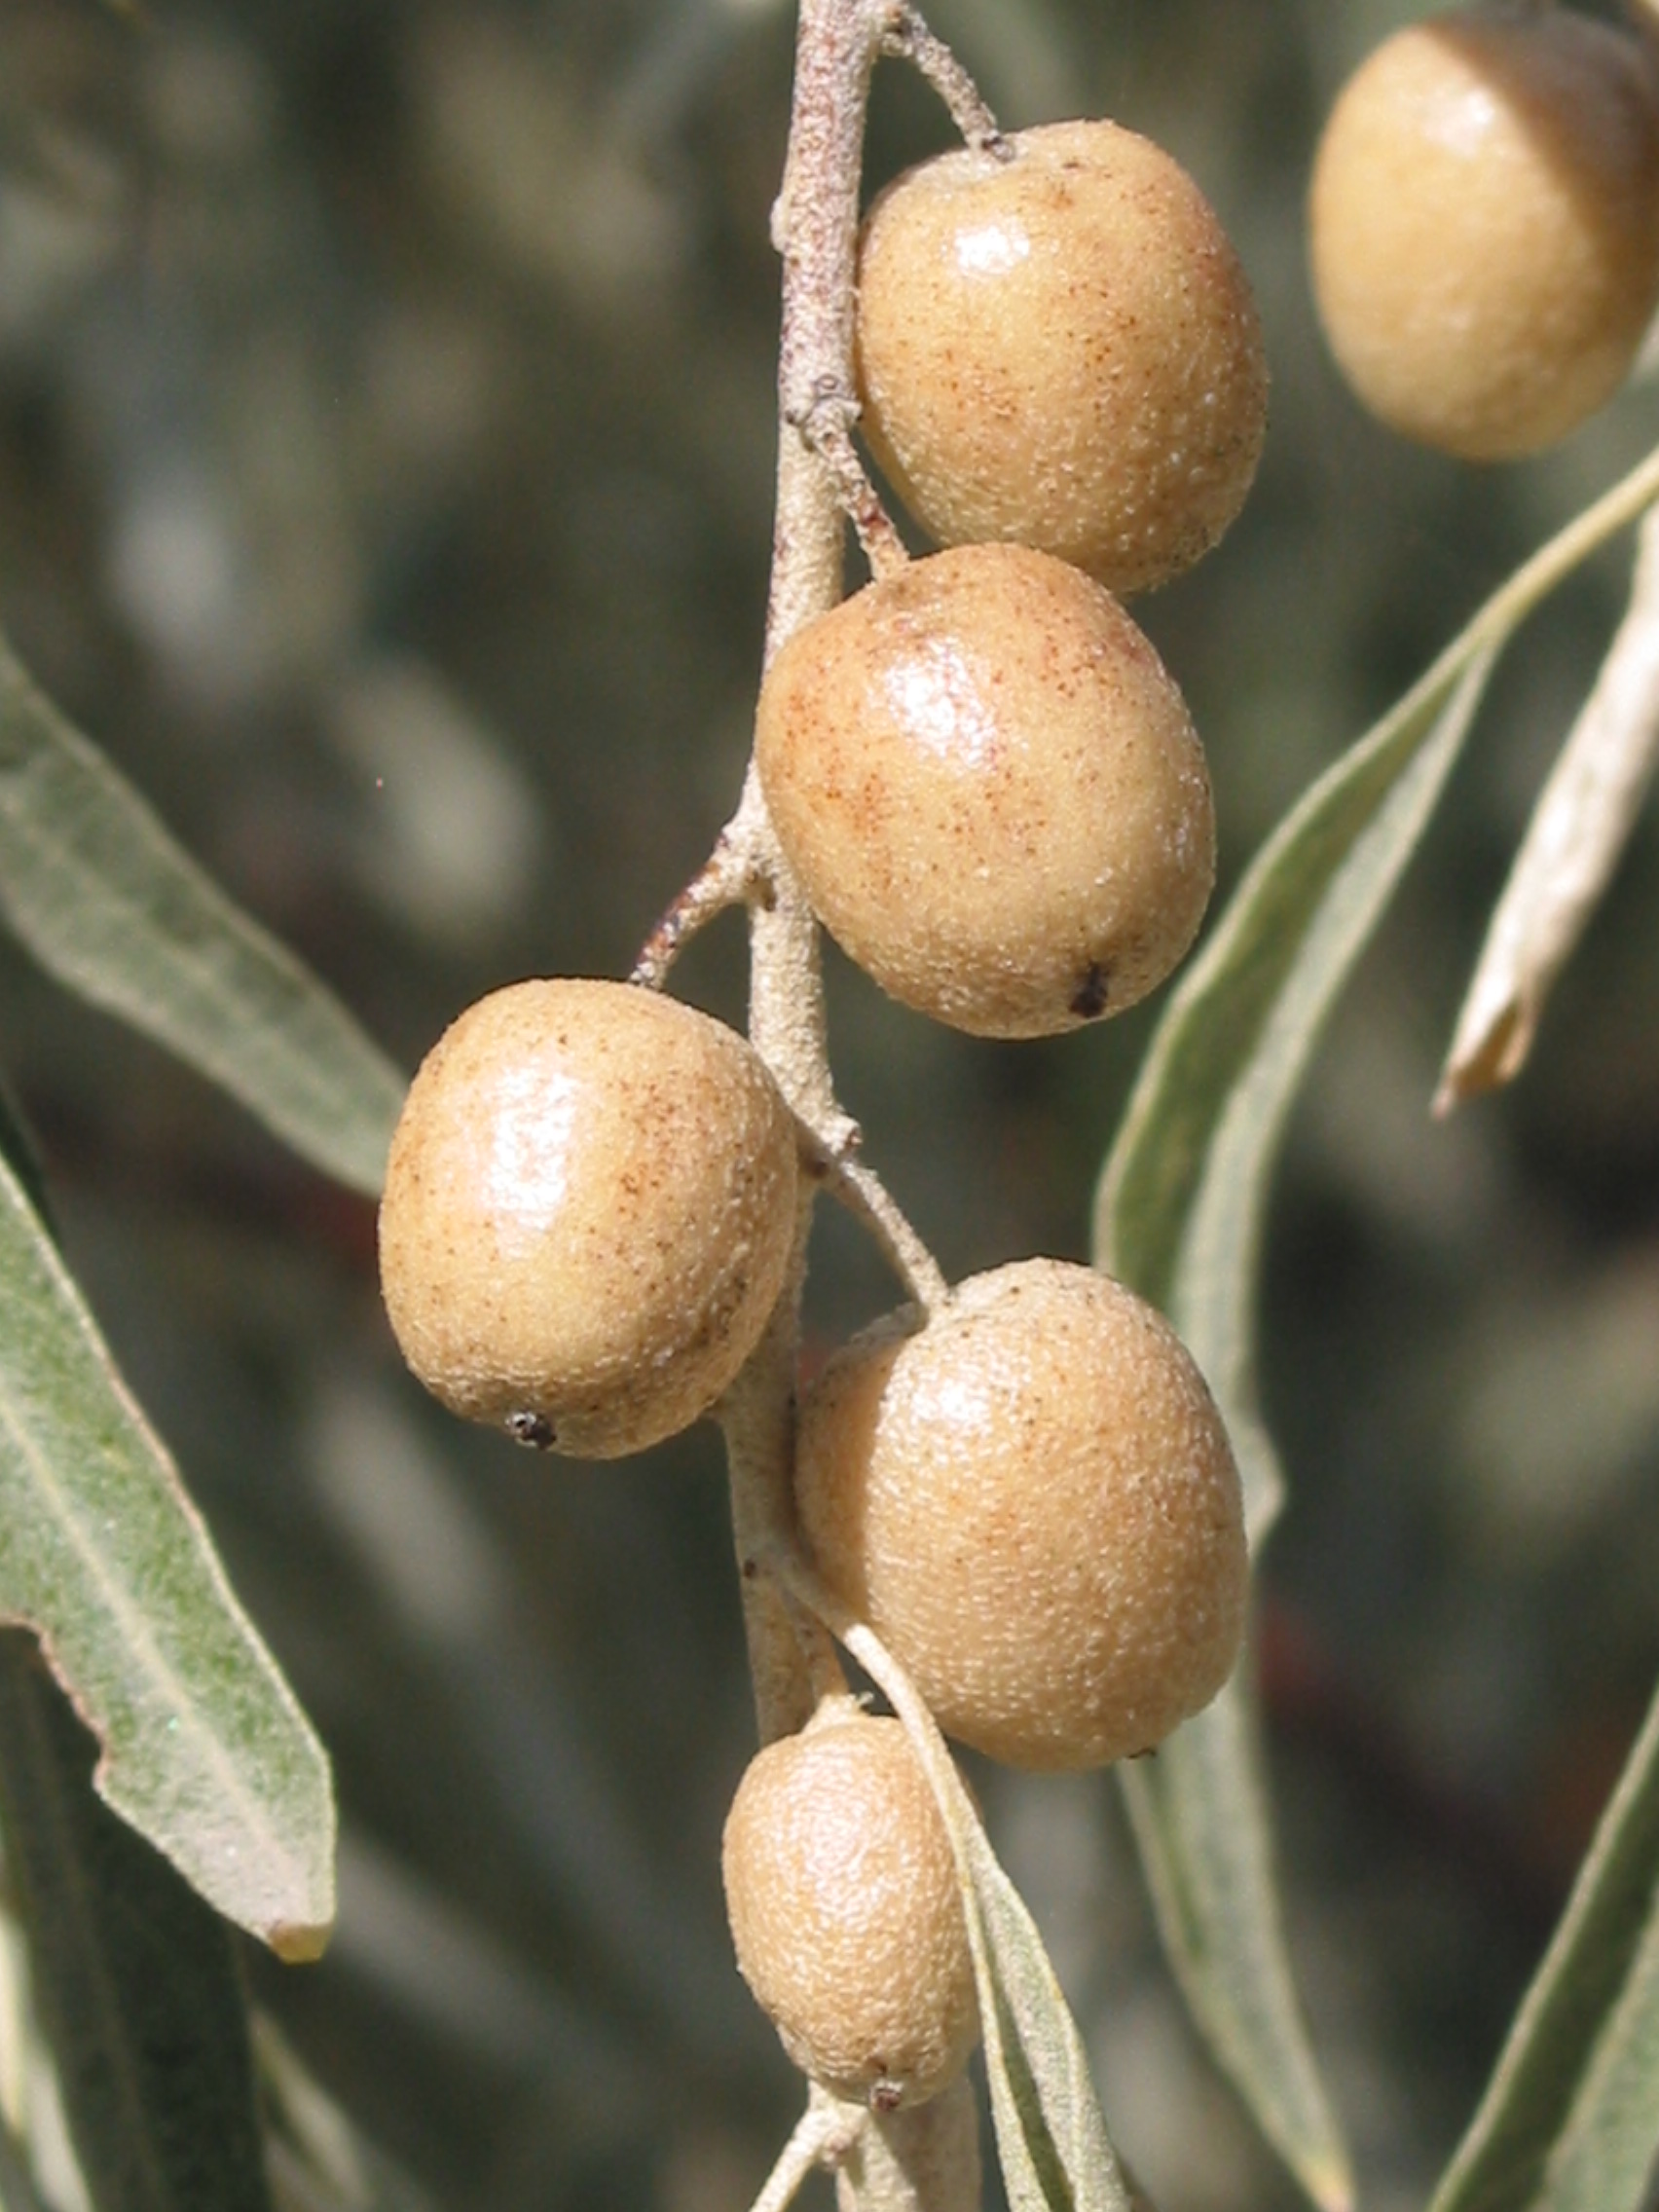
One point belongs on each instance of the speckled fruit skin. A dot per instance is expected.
(1033, 1502)
(846, 1912)
(992, 790)
(1061, 348)
(1484, 226)
(588, 1214)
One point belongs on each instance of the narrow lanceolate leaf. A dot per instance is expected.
(1051, 2140)
(17, 2185)
(107, 901)
(1179, 1216)
(1055, 2156)
(1200, 1810)
(135, 1978)
(204, 1749)
(1180, 1200)
(1570, 2121)
(1199, 1817)
(1180, 1209)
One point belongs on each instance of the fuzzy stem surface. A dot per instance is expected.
(915, 2163)
(815, 228)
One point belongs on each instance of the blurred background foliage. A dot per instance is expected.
(385, 448)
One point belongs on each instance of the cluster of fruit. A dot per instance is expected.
(992, 792)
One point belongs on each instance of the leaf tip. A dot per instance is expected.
(1493, 1054)
(298, 1943)
(1329, 2182)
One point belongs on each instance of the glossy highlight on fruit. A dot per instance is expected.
(846, 1912)
(1484, 225)
(588, 1213)
(1033, 1502)
(992, 790)
(1060, 349)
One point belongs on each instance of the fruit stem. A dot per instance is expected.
(828, 429)
(791, 1661)
(926, 2159)
(815, 228)
(863, 1193)
(824, 2135)
(732, 875)
(814, 225)
(911, 40)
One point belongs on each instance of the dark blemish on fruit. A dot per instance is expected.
(1088, 1000)
(533, 1429)
(750, 1569)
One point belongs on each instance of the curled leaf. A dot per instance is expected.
(1580, 829)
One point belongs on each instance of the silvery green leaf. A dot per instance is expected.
(107, 901)
(205, 1749)
(1571, 2119)
(135, 1978)
(1179, 1217)
(1051, 2140)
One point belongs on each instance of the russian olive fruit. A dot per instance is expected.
(588, 1214)
(1485, 224)
(1059, 347)
(846, 1912)
(992, 790)
(1033, 1502)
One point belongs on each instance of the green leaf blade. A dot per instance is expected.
(1571, 2119)
(1051, 2138)
(106, 900)
(1184, 1226)
(1200, 1823)
(135, 1978)
(205, 1749)
(1239, 1027)
(1179, 1215)
(1179, 1210)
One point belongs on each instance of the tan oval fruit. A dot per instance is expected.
(992, 790)
(845, 1912)
(1033, 1502)
(1061, 348)
(588, 1213)
(1484, 226)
